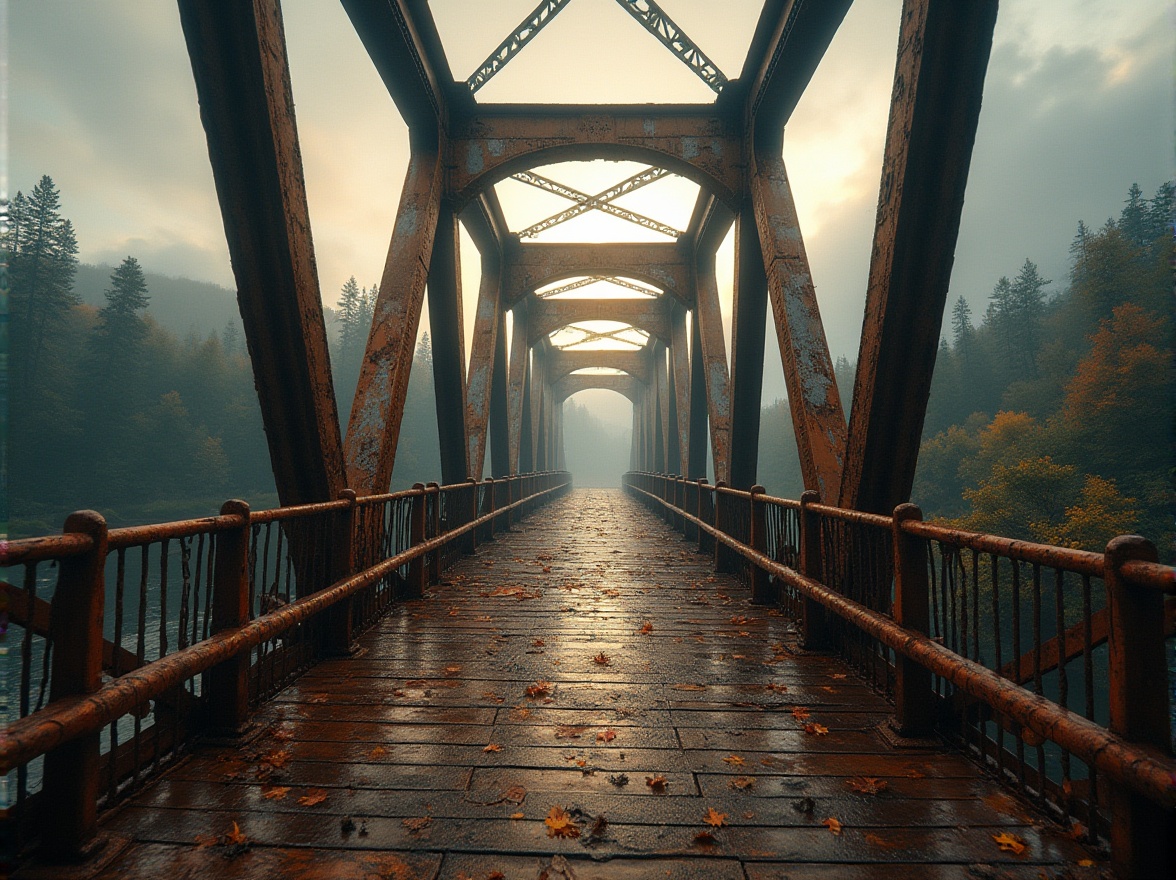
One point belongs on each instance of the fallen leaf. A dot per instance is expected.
(646, 628)
(657, 783)
(539, 689)
(283, 735)
(1086, 863)
(1010, 843)
(516, 794)
(606, 736)
(816, 729)
(739, 620)
(800, 713)
(277, 759)
(377, 752)
(313, 796)
(493, 747)
(599, 826)
(881, 842)
(867, 784)
(714, 819)
(538, 643)
(516, 815)
(234, 837)
(838, 676)
(733, 760)
(452, 670)
(743, 782)
(602, 659)
(560, 824)
(203, 840)
(274, 792)
(569, 731)
(832, 824)
(520, 713)
(415, 826)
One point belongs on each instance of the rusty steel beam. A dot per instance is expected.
(635, 434)
(602, 201)
(517, 402)
(592, 279)
(661, 375)
(548, 315)
(569, 385)
(698, 445)
(654, 19)
(658, 412)
(635, 363)
(695, 141)
(448, 338)
(664, 265)
(526, 412)
(615, 335)
(483, 349)
(748, 314)
(539, 18)
(500, 428)
(238, 56)
(817, 417)
(790, 41)
(376, 413)
(680, 365)
(938, 84)
(400, 37)
(713, 348)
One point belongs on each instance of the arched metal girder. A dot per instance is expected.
(695, 141)
(665, 265)
(563, 363)
(569, 385)
(548, 315)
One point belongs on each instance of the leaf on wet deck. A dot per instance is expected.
(733, 760)
(313, 797)
(1009, 842)
(606, 736)
(868, 784)
(416, 826)
(833, 825)
(538, 689)
(602, 659)
(714, 818)
(274, 792)
(815, 729)
(657, 783)
(560, 824)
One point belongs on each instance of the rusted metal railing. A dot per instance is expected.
(135, 641)
(1009, 649)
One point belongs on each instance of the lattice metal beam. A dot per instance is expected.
(592, 279)
(653, 19)
(602, 201)
(539, 18)
(603, 336)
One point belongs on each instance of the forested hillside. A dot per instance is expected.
(1051, 415)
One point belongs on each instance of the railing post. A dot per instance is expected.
(415, 588)
(704, 515)
(472, 512)
(337, 641)
(814, 631)
(667, 496)
(722, 560)
(70, 783)
(914, 698)
(1141, 831)
(491, 488)
(435, 556)
(228, 682)
(758, 539)
(679, 500)
(510, 481)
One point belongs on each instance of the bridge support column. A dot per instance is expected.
(448, 336)
(749, 308)
(714, 365)
(228, 682)
(238, 56)
(527, 410)
(517, 400)
(680, 366)
(814, 629)
(376, 414)
(943, 52)
(500, 427)
(808, 370)
(480, 382)
(661, 411)
(698, 445)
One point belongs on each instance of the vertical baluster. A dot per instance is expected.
(814, 631)
(1019, 736)
(120, 577)
(914, 699)
(140, 656)
(1037, 683)
(999, 666)
(227, 683)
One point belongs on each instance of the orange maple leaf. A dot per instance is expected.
(800, 713)
(493, 747)
(377, 752)
(816, 729)
(234, 837)
(743, 782)
(733, 760)
(714, 819)
(1010, 843)
(539, 689)
(606, 736)
(833, 825)
(868, 784)
(602, 659)
(560, 824)
(313, 796)
(657, 783)
(274, 792)
(646, 628)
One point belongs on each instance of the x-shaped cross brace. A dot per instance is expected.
(603, 335)
(592, 279)
(602, 201)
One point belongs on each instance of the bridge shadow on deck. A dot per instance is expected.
(438, 751)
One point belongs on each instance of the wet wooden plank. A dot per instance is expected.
(433, 721)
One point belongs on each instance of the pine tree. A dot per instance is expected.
(1133, 219)
(349, 308)
(1160, 213)
(1028, 298)
(961, 327)
(42, 257)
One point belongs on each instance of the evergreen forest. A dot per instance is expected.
(1050, 419)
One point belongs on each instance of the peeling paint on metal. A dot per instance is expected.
(475, 162)
(496, 146)
(718, 390)
(407, 221)
(649, 126)
(690, 148)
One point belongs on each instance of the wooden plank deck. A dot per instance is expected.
(425, 756)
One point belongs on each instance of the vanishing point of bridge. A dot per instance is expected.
(506, 677)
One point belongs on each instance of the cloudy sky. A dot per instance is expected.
(1078, 105)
